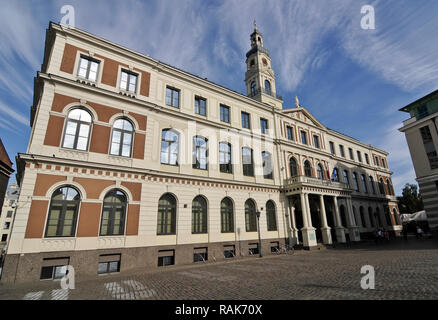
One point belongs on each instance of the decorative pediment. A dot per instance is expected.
(302, 114)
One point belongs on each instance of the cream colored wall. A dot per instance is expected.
(147, 233)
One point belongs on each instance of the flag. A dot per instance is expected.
(334, 175)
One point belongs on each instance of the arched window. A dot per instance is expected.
(364, 183)
(225, 157)
(343, 215)
(271, 216)
(253, 89)
(200, 153)
(362, 217)
(396, 216)
(268, 87)
(62, 217)
(199, 215)
(370, 214)
(346, 179)
(387, 213)
(169, 147)
(250, 216)
(378, 218)
(320, 172)
(247, 161)
(390, 188)
(166, 223)
(307, 169)
(77, 130)
(227, 218)
(121, 140)
(335, 174)
(356, 184)
(293, 167)
(267, 165)
(381, 186)
(113, 214)
(373, 189)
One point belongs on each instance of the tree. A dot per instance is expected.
(411, 200)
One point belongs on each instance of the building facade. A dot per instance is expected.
(7, 213)
(135, 164)
(5, 171)
(422, 138)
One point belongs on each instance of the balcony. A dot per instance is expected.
(264, 91)
(308, 181)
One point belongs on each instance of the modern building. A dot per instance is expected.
(7, 213)
(5, 171)
(135, 164)
(422, 137)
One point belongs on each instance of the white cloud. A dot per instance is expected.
(13, 114)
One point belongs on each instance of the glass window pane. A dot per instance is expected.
(82, 143)
(60, 272)
(126, 150)
(115, 148)
(102, 268)
(114, 266)
(68, 141)
(84, 129)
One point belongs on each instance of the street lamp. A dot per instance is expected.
(258, 229)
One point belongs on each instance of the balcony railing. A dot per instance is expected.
(263, 90)
(316, 182)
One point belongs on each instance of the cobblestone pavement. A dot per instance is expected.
(402, 271)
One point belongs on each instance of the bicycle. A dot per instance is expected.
(287, 249)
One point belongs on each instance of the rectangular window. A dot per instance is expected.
(200, 254)
(229, 251)
(275, 246)
(429, 147)
(225, 113)
(7, 225)
(225, 157)
(88, 68)
(367, 160)
(54, 268)
(350, 151)
(166, 258)
(245, 120)
(200, 106)
(4, 237)
(316, 142)
(9, 214)
(383, 163)
(264, 125)
(376, 158)
(172, 97)
(253, 248)
(128, 81)
(290, 133)
(359, 156)
(247, 161)
(109, 263)
(303, 137)
(341, 150)
(332, 147)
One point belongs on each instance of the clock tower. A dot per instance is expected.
(259, 76)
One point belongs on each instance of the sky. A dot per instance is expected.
(351, 79)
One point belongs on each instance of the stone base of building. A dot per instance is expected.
(28, 267)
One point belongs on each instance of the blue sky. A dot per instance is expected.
(352, 80)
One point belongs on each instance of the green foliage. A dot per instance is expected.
(411, 200)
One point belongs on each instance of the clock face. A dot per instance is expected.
(265, 62)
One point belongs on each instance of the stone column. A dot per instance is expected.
(340, 233)
(325, 229)
(294, 225)
(308, 232)
(353, 228)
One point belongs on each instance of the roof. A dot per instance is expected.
(421, 100)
